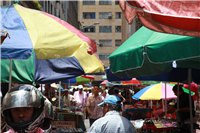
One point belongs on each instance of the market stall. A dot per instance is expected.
(66, 120)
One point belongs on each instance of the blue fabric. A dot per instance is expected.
(176, 75)
(141, 92)
(112, 122)
(19, 46)
(71, 81)
(111, 99)
(54, 70)
(111, 77)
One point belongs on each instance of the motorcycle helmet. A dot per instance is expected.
(27, 96)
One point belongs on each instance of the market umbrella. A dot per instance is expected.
(104, 83)
(48, 35)
(148, 53)
(174, 17)
(133, 81)
(4, 34)
(50, 70)
(156, 92)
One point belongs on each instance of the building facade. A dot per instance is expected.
(101, 21)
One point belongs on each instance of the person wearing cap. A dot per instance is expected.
(94, 111)
(80, 96)
(112, 122)
(68, 99)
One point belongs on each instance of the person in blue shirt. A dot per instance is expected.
(112, 122)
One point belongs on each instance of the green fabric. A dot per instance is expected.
(148, 52)
(149, 82)
(22, 70)
(81, 80)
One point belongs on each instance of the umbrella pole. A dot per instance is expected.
(10, 75)
(165, 100)
(190, 100)
(59, 93)
(178, 97)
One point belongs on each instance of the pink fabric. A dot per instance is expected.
(170, 94)
(174, 17)
(104, 83)
(194, 88)
(38, 131)
(79, 98)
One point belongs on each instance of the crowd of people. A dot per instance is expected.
(25, 108)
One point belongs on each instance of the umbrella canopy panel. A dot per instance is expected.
(155, 92)
(174, 17)
(148, 52)
(48, 35)
(50, 70)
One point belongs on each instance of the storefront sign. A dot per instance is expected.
(67, 124)
(16, 2)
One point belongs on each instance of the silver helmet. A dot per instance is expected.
(27, 96)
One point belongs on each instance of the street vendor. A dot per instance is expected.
(184, 105)
(68, 99)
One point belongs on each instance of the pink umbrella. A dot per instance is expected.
(174, 17)
(104, 83)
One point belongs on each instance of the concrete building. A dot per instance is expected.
(108, 32)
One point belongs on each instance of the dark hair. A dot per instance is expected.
(175, 88)
(96, 85)
(113, 106)
(116, 90)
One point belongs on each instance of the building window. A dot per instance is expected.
(105, 2)
(117, 28)
(105, 28)
(118, 15)
(89, 15)
(88, 29)
(57, 13)
(88, 2)
(107, 43)
(118, 42)
(103, 56)
(105, 15)
(116, 2)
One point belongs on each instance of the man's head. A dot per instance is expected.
(175, 89)
(111, 102)
(80, 88)
(96, 89)
(116, 90)
(25, 109)
(65, 92)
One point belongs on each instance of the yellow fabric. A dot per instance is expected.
(153, 93)
(89, 63)
(50, 39)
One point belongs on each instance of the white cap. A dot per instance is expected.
(80, 87)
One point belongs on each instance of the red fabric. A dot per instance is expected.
(87, 76)
(194, 88)
(174, 17)
(133, 81)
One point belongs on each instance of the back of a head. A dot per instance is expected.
(116, 90)
(175, 88)
(27, 96)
